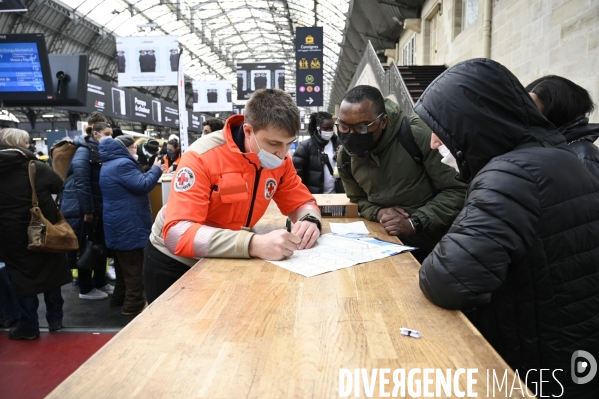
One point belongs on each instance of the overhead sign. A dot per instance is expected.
(255, 76)
(12, 6)
(308, 67)
(147, 60)
(122, 103)
(209, 96)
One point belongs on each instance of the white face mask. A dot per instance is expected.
(448, 159)
(267, 160)
(135, 156)
(325, 135)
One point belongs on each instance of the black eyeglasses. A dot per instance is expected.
(361, 128)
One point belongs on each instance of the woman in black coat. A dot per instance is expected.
(567, 105)
(522, 256)
(31, 273)
(315, 159)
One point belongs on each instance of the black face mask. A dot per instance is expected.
(358, 145)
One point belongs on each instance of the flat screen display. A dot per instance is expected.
(20, 68)
(24, 68)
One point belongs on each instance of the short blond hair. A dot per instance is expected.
(12, 137)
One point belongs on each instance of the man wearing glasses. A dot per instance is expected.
(416, 202)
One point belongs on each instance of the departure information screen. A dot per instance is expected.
(20, 68)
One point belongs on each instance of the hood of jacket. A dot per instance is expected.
(480, 110)
(11, 157)
(580, 129)
(111, 149)
(91, 145)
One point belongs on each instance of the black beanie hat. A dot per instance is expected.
(152, 145)
(127, 141)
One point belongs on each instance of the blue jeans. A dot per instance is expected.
(28, 323)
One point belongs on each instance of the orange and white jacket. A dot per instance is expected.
(219, 193)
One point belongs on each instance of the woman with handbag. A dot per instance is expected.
(127, 217)
(82, 207)
(315, 159)
(31, 273)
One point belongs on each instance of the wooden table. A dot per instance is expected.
(249, 329)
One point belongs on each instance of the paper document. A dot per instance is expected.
(332, 252)
(349, 228)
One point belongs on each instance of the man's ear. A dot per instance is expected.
(247, 130)
(385, 120)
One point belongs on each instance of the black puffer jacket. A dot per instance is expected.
(309, 164)
(581, 135)
(523, 255)
(31, 272)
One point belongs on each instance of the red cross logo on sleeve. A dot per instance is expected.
(182, 179)
(270, 188)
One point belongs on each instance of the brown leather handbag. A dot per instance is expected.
(43, 235)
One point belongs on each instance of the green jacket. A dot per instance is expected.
(389, 177)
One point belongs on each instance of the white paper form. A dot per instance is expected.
(334, 252)
(349, 228)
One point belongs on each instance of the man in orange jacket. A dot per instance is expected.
(223, 186)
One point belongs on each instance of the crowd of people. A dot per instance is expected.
(512, 240)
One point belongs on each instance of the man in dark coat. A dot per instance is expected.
(151, 61)
(31, 272)
(121, 61)
(416, 202)
(522, 256)
(174, 59)
(212, 95)
(143, 63)
(282, 81)
(240, 82)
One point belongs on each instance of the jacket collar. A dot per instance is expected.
(580, 129)
(232, 123)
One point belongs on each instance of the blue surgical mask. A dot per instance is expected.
(267, 160)
(170, 153)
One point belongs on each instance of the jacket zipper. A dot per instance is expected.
(256, 182)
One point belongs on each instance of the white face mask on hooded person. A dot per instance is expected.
(448, 158)
(267, 160)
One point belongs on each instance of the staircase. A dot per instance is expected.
(417, 78)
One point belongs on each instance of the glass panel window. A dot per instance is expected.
(469, 12)
(408, 52)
